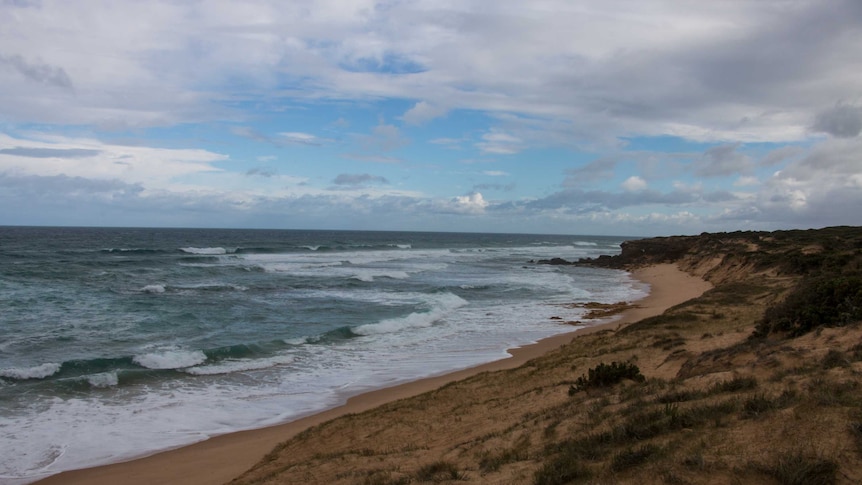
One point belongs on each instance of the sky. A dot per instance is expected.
(613, 117)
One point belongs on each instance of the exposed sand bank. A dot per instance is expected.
(222, 458)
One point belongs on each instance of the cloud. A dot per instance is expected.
(723, 160)
(261, 172)
(499, 143)
(472, 203)
(451, 143)
(634, 184)
(373, 158)
(746, 181)
(40, 152)
(423, 112)
(840, 121)
(581, 201)
(598, 169)
(498, 187)
(383, 138)
(298, 138)
(496, 173)
(38, 72)
(280, 139)
(46, 155)
(753, 72)
(359, 179)
(780, 155)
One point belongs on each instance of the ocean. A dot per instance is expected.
(116, 343)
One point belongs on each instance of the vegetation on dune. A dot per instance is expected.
(756, 381)
(825, 300)
(604, 375)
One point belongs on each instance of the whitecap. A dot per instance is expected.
(370, 274)
(153, 289)
(442, 305)
(170, 359)
(204, 251)
(228, 366)
(104, 379)
(37, 372)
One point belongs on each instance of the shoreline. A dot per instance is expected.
(221, 458)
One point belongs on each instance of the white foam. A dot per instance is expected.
(584, 243)
(368, 275)
(228, 366)
(170, 359)
(204, 251)
(104, 379)
(153, 289)
(443, 305)
(214, 286)
(37, 372)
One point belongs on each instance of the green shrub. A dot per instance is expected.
(821, 301)
(604, 375)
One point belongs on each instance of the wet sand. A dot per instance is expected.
(221, 458)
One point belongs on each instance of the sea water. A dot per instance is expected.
(116, 343)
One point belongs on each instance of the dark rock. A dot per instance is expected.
(554, 261)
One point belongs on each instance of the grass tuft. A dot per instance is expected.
(438, 471)
(562, 470)
(835, 358)
(631, 458)
(801, 469)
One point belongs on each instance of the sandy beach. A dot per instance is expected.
(221, 458)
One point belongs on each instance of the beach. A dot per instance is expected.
(221, 458)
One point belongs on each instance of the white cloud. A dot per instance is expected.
(746, 181)
(634, 184)
(499, 143)
(701, 70)
(423, 112)
(467, 204)
(495, 173)
(156, 167)
(299, 138)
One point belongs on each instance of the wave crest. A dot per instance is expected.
(229, 366)
(170, 359)
(36, 372)
(205, 251)
(443, 305)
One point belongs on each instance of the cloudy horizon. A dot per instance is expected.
(619, 117)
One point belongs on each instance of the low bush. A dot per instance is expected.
(822, 301)
(604, 375)
(561, 470)
(438, 471)
(801, 469)
(631, 457)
